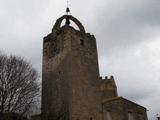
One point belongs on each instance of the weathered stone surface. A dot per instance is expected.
(108, 88)
(71, 86)
(120, 108)
(70, 77)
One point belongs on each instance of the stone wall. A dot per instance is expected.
(70, 83)
(121, 109)
(108, 88)
(71, 86)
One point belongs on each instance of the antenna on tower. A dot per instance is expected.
(67, 8)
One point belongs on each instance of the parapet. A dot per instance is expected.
(108, 87)
(107, 78)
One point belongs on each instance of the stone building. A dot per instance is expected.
(72, 88)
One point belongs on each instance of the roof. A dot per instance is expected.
(120, 98)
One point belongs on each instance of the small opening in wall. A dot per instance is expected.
(108, 115)
(91, 118)
(81, 42)
(130, 115)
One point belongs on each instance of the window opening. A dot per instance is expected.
(109, 115)
(81, 42)
(130, 116)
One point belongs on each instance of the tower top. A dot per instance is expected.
(57, 25)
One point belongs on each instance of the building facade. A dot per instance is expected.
(72, 88)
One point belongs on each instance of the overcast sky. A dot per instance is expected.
(127, 33)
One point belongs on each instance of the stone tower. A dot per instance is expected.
(70, 73)
(71, 86)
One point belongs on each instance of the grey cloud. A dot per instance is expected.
(127, 23)
(136, 77)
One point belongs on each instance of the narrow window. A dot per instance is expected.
(107, 115)
(130, 116)
(81, 42)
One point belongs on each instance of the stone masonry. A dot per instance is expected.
(71, 86)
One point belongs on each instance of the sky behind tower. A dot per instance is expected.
(127, 33)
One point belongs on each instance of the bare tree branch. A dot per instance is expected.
(18, 85)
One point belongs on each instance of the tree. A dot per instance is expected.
(18, 85)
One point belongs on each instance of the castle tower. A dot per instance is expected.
(70, 85)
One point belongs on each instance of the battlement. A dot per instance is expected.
(108, 87)
(107, 78)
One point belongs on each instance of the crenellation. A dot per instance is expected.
(108, 87)
(111, 77)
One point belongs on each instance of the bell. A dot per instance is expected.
(67, 10)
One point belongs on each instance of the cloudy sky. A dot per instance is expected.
(127, 33)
